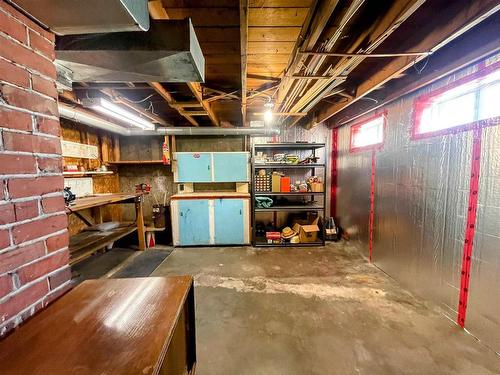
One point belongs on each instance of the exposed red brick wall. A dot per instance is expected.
(33, 226)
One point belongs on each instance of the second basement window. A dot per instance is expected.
(472, 101)
(368, 134)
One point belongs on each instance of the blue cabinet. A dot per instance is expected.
(193, 222)
(194, 167)
(230, 166)
(201, 219)
(229, 223)
(211, 167)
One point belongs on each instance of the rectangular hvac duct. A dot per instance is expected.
(168, 52)
(66, 17)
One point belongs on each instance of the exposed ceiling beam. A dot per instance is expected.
(157, 11)
(196, 89)
(299, 114)
(243, 47)
(222, 94)
(378, 55)
(163, 92)
(390, 21)
(483, 41)
(317, 20)
(438, 33)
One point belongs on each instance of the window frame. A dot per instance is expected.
(423, 101)
(374, 146)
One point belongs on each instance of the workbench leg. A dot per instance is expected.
(97, 214)
(139, 214)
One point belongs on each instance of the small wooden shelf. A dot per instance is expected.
(86, 243)
(134, 162)
(87, 173)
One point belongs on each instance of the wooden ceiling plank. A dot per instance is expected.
(277, 16)
(280, 3)
(270, 47)
(273, 34)
(268, 59)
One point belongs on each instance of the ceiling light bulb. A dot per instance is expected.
(268, 116)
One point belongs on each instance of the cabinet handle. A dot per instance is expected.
(240, 211)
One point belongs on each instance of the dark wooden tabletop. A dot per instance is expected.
(113, 326)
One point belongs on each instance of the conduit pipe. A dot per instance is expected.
(85, 117)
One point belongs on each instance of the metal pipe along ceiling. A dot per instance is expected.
(85, 117)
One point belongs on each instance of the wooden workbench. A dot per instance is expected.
(109, 326)
(86, 243)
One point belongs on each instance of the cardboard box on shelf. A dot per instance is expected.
(307, 233)
(317, 187)
(276, 183)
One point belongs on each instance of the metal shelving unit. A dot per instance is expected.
(308, 207)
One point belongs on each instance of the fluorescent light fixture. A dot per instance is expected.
(110, 109)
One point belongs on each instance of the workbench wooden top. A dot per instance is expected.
(113, 326)
(99, 200)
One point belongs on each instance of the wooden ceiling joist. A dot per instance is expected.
(157, 11)
(438, 34)
(196, 89)
(392, 19)
(163, 92)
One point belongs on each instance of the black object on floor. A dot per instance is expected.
(144, 264)
(99, 264)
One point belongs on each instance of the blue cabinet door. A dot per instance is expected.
(230, 166)
(194, 167)
(193, 222)
(228, 221)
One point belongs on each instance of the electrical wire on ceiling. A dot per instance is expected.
(368, 98)
(140, 101)
(420, 70)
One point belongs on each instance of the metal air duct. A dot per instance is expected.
(168, 52)
(65, 17)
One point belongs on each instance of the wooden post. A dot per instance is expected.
(97, 214)
(139, 213)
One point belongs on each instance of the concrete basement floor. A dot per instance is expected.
(316, 311)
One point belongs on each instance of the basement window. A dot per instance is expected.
(470, 102)
(368, 134)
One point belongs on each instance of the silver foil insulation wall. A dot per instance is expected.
(421, 198)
